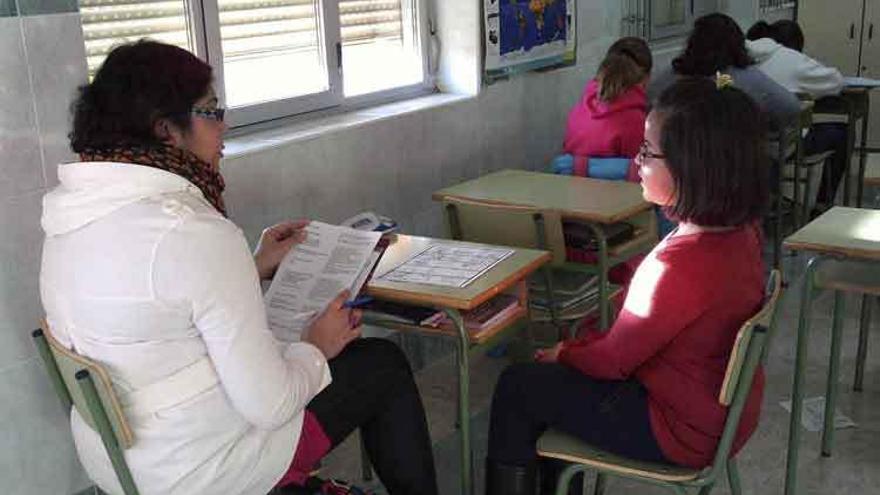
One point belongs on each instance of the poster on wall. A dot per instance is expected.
(524, 35)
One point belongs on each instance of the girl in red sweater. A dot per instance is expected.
(648, 387)
(609, 119)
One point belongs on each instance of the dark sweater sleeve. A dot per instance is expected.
(665, 297)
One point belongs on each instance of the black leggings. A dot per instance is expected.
(532, 397)
(373, 389)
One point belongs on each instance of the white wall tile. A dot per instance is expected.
(38, 454)
(20, 250)
(57, 58)
(21, 169)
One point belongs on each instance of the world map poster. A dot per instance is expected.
(524, 35)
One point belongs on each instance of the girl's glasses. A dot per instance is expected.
(216, 114)
(645, 153)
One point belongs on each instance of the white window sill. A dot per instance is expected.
(275, 134)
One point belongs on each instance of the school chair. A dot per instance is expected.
(526, 227)
(85, 384)
(748, 351)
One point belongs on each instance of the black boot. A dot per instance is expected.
(509, 479)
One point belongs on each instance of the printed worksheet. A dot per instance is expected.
(449, 265)
(331, 259)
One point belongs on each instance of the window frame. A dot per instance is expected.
(202, 19)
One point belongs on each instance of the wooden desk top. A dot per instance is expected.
(872, 170)
(851, 232)
(498, 279)
(575, 198)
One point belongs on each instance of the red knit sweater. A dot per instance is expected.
(674, 334)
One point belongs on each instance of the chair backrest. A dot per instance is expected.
(747, 353)
(69, 371)
(505, 225)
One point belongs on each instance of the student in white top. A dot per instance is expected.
(143, 273)
(777, 50)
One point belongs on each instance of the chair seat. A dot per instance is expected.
(558, 445)
(849, 276)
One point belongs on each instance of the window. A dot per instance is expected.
(658, 19)
(274, 58)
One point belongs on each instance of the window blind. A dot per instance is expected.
(248, 27)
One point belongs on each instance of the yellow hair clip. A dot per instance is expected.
(723, 80)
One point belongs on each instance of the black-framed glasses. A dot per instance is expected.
(645, 152)
(216, 114)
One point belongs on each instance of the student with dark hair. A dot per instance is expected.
(648, 387)
(776, 49)
(608, 120)
(717, 44)
(143, 273)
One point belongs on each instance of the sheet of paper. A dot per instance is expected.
(813, 415)
(331, 259)
(448, 265)
(861, 82)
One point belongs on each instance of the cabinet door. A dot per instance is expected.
(832, 31)
(870, 66)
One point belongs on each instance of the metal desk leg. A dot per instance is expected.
(602, 263)
(863, 155)
(833, 374)
(864, 323)
(850, 149)
(464, 341)
(794, 427)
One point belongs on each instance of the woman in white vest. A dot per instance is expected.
(143, 272)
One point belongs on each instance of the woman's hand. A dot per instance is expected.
(334, 328)
(274, 244)
(548, 355)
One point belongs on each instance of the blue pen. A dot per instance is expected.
(357, 302)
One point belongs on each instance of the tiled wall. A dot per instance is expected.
(391, 166)
(41, 63)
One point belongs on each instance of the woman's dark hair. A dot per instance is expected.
(714, 142)
(759, 30)
(788, 33)
(715, 43)
(627, 63)
(137, 84)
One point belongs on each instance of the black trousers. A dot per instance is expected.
(373, 389)
(828, 137)
(532, 397)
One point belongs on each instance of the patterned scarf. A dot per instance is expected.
(170, 159)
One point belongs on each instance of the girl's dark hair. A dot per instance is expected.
(137, 84)
(788, 33)
(714, 142)
(785, 32)
(759, 30)
(627, 63)
(715, 43)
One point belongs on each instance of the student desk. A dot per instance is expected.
(593, 202)
(839, 234)
(509, 275)
(853, 102)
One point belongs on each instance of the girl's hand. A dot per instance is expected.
(334, 328)
(548, 355)
(274, 244)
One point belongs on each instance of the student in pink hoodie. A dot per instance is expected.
(609, 119)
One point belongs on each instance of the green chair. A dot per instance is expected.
(525, 227)
(748, 351)
(83, 383)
